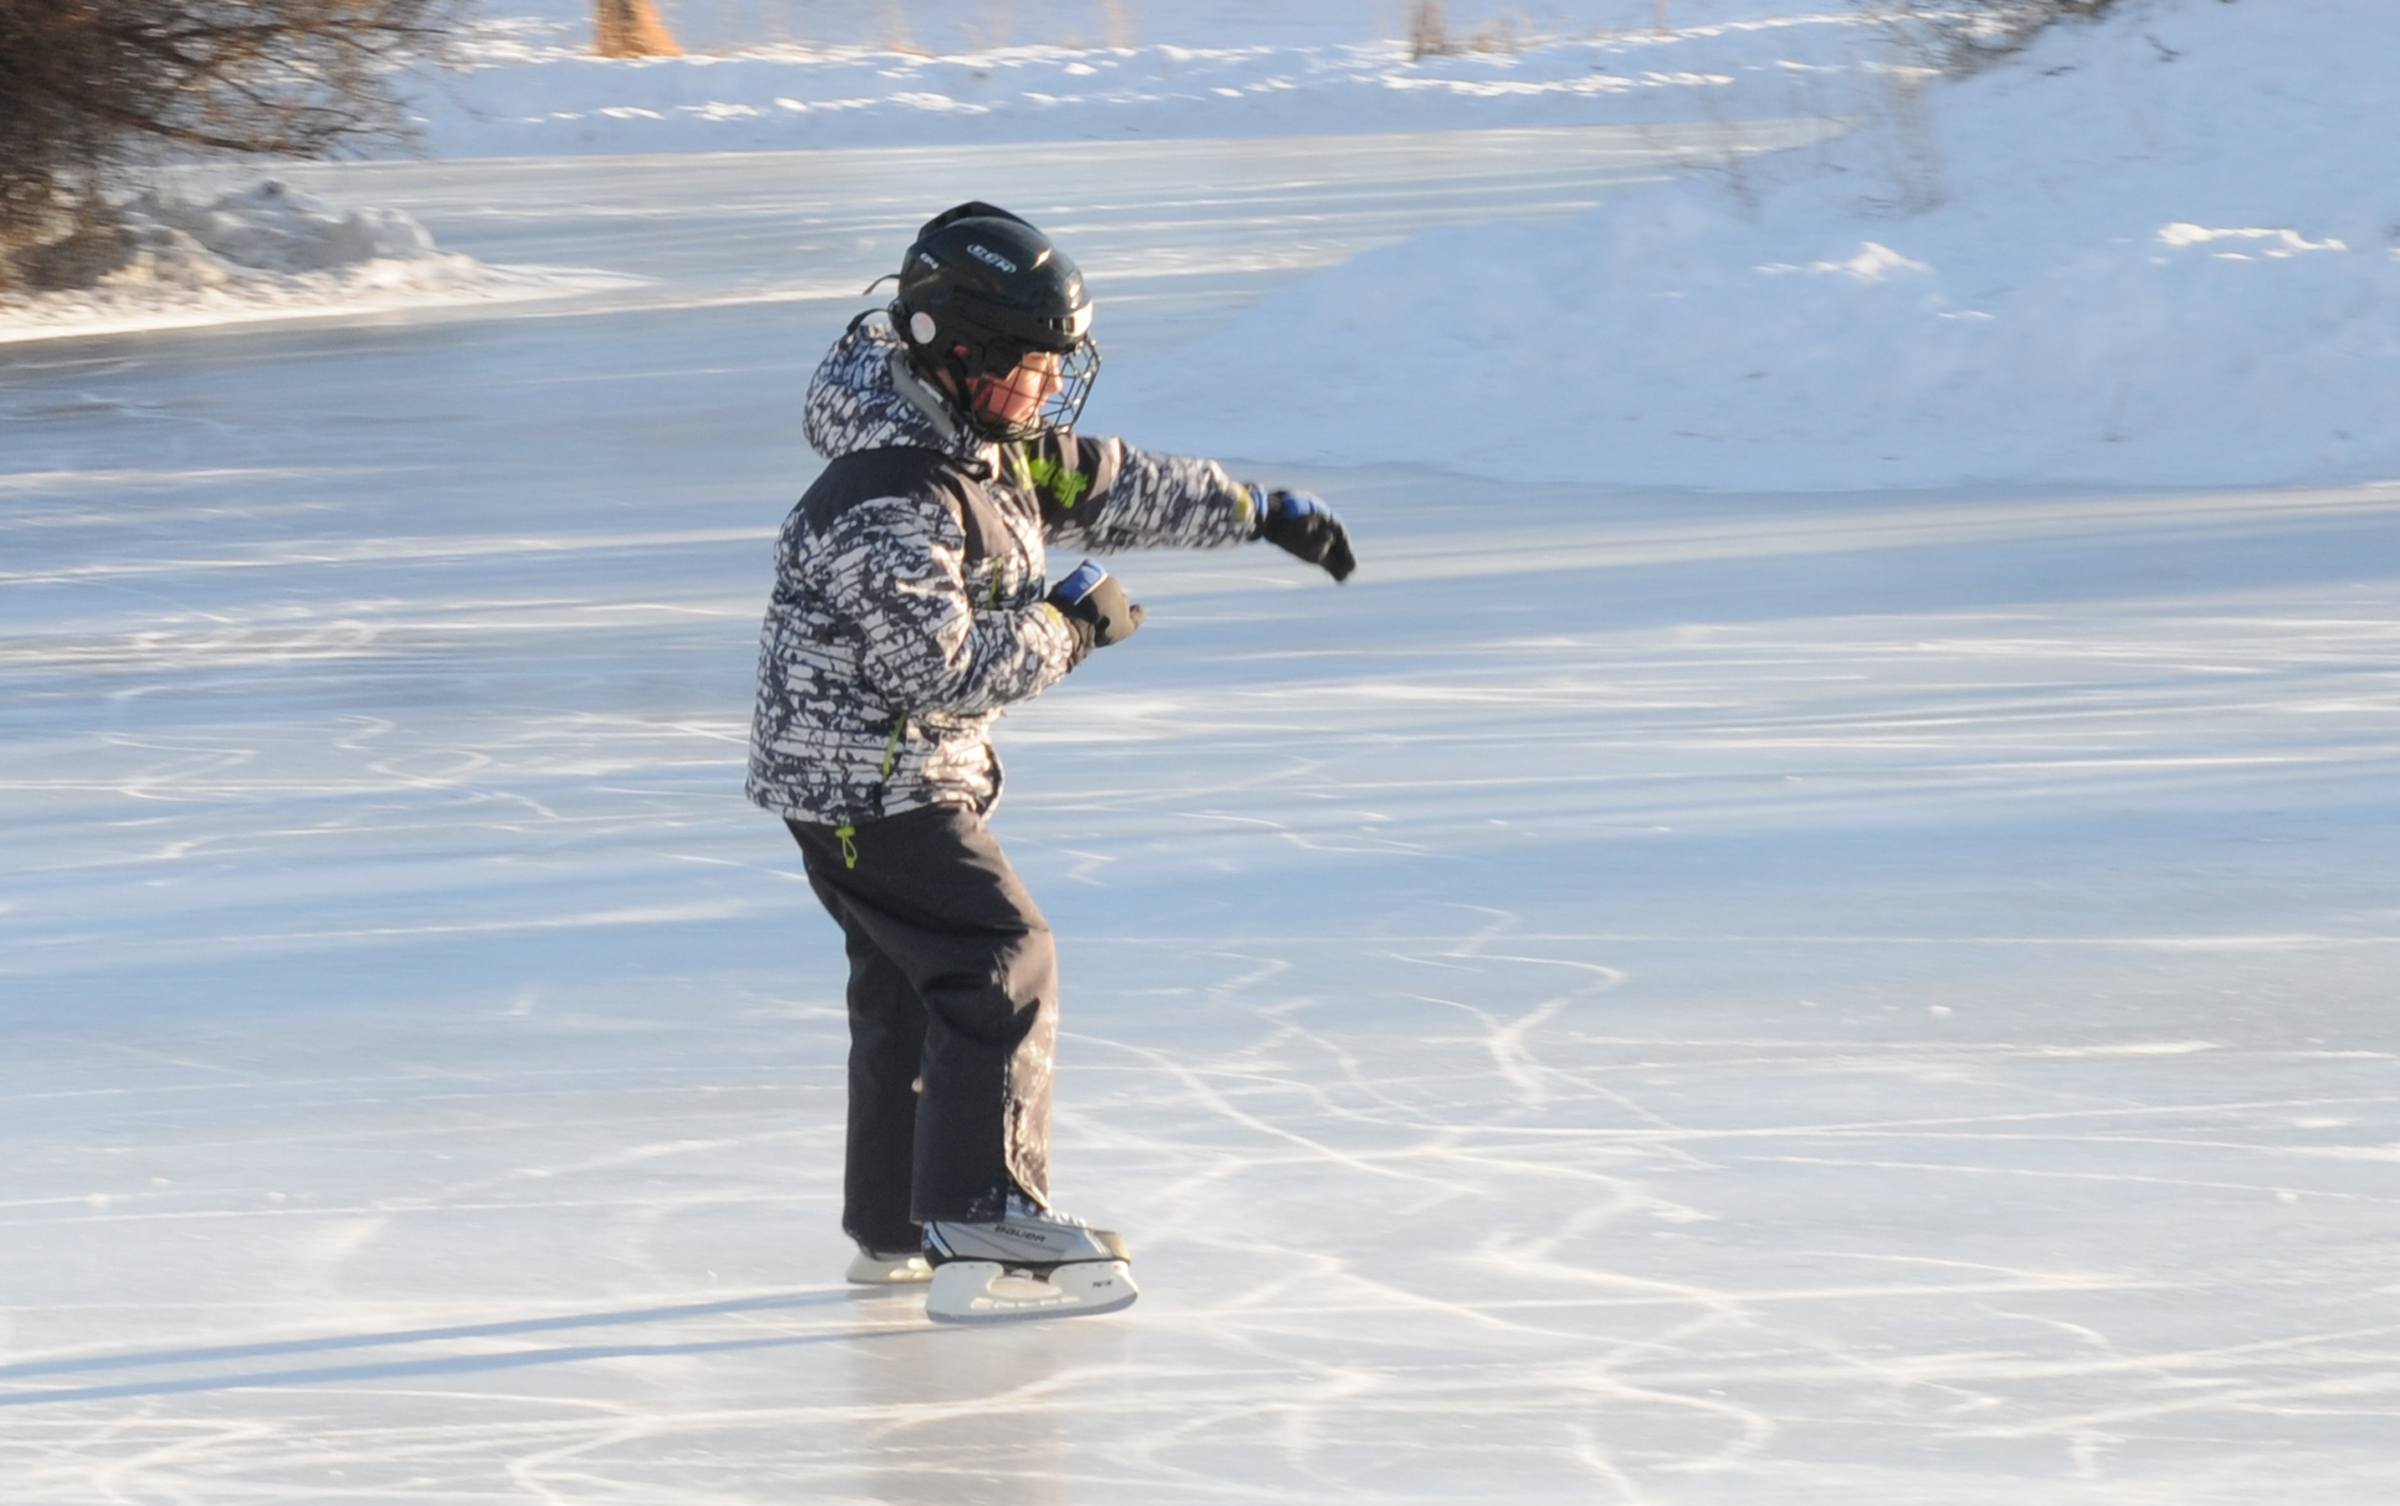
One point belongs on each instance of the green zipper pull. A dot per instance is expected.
(848, 834)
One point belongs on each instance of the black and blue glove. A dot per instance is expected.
(1304, 526)
(1095, 607)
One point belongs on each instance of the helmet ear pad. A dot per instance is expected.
(965, 351)
(958, 356)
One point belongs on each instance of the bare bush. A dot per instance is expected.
(1509, 31)
(92, 88)
(1428, 32)
(1961, 36)
(1928, 40)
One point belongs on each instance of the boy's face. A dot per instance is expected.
(1017, 397)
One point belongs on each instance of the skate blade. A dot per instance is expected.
(979, 1291)
(870, 1270)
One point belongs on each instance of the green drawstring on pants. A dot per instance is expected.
(849, 846)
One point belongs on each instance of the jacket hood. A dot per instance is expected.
(865, 397)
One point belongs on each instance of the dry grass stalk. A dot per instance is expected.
(631, 29)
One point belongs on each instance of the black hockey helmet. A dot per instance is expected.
(980, 292)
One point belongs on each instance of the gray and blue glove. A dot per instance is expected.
(1095, 607)
(1303, 526)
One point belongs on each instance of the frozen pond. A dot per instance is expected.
(1637, 998)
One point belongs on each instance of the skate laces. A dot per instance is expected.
(1022, 1207)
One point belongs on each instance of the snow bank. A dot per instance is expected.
(955, 27)
(1216, 69)
(270, 252)
(2146, 251)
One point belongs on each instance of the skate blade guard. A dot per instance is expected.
(982, 1291)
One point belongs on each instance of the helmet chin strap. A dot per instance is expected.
(988, 397)
(932, 392)
(958, 392)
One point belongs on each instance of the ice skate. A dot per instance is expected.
(889, 1268)
(1030, 1263)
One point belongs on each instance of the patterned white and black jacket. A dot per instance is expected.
(908, 604)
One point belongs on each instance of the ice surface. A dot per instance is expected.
(1636, 998)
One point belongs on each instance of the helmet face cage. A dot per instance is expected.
(992, 377)
(1048, 388)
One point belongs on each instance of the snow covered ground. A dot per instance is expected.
(863, 72)
(1643, 996)
(264, 251)
(2143, 253)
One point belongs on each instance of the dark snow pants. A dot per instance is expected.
(953, 1016)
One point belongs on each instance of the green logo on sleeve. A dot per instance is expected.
(1063, 482)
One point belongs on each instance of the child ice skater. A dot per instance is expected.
(913, 602)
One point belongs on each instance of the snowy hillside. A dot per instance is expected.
(2150, 250)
